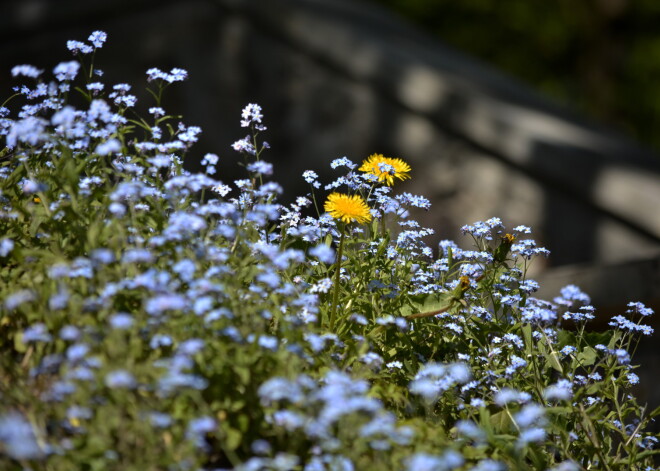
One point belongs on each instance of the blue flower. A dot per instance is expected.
(120, 379)
(160, 420)
(157, 111)
(77, 352)
(489, 465)
(111, 146)
(201, 426)
(583, 314)
(36, 333)
(507, 395)
(413, 200)
(260, 447)
(121, 321)
(78, 412)
(527, 249)
(516, 363)
(567, 465)
(175, 75)
(639, 308)
(165, 302)
(622, 323)
(343, 162)
(531, 435)
(311, 177)
(175, 380)
(433, 379)
(528, 286)
(29, 130)
(18, 437)
(97, 38)
(571, 294)
(69, 333)
(278, 389)
(66, 71)
(372, 360)
(25, 71)
(425, 462)
(185, 269)
(285, 461)
(568, 350)
(560, 391)
(514, 339)
(6, 246)
(244, 145)
(324, 253)
(470, 430)
(530, 414)
(79, 47)
(322, 286)
(251, 114)
(270, 278)
(191, 347)
(137, 256)
(538, 312)
(288, 420)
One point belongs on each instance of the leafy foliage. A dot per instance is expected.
(156, 319)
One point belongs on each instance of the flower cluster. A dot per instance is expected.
(155, 318)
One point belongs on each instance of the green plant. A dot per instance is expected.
(156, 319)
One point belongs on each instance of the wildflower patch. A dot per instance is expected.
(153, 318)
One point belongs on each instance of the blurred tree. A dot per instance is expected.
(601, 57)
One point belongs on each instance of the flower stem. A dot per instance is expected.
(420, 315)
(335, 296)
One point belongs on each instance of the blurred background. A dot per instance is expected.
(541, 112)
(600, 57)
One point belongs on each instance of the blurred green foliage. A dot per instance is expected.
(601, 57)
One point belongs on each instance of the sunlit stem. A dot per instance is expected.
(335, 296)
(316, 206)
(421, 315)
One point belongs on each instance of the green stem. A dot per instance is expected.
(316, 206)
(420, 315)
(9, 99)
(335, 296)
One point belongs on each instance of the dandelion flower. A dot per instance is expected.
(386, 168)
(347, 208)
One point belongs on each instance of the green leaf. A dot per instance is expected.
(35, 224)
(587, 356)
(431, 302)
(501, 422)
(527, 338)
(19, 346)
(243, 373)
(553, 360)
(595, 338)
(565, 337)
(538, 457)
(233, 438)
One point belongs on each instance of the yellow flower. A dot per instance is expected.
(373, 166)
(347, 208)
